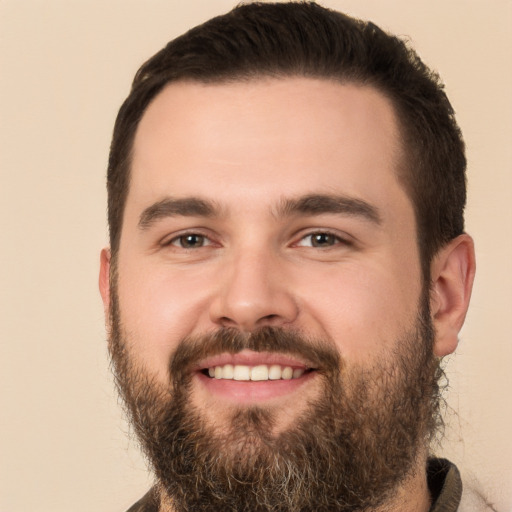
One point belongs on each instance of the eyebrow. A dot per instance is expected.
(318, 204)
(312, 204)
(173, 207)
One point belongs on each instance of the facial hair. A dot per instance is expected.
(348, 451)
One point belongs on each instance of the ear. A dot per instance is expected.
(452, 274)
(104, 279)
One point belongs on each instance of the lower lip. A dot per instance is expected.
(246, 392)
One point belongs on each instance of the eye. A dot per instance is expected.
(190, 241)
(320, 239)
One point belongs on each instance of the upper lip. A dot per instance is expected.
(251, 358)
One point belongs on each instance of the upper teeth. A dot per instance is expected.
(260, 372)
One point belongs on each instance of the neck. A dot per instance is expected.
(411, 496)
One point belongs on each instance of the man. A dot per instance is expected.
(288, 266)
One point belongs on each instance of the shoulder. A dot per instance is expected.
(148, 503)
(450, 493)
(474, 501)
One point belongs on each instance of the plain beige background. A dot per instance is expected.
(66, 65)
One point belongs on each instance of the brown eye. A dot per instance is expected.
(190, 241)
(323, 240)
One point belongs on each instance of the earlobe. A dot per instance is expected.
(452, 274)
(104, 279)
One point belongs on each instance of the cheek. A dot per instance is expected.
(158, 309)
(363, 310)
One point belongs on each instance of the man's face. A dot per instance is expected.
(267, 206)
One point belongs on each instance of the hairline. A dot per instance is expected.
(403, 151)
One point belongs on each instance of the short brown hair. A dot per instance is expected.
(305, 39)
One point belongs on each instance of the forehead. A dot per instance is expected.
(265, 137)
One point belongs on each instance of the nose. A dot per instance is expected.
(254, 293)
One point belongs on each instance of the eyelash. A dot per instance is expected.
(175, 240)
(337, 240)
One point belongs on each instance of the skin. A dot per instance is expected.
(247, 148)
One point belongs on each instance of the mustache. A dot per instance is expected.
(320, 354)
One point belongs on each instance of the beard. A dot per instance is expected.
(348, 450)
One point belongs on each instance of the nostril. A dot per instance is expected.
(249, 310)
(268, 319)
(227, 322)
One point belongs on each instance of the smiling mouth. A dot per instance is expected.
(261, 372)
(248, 376)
